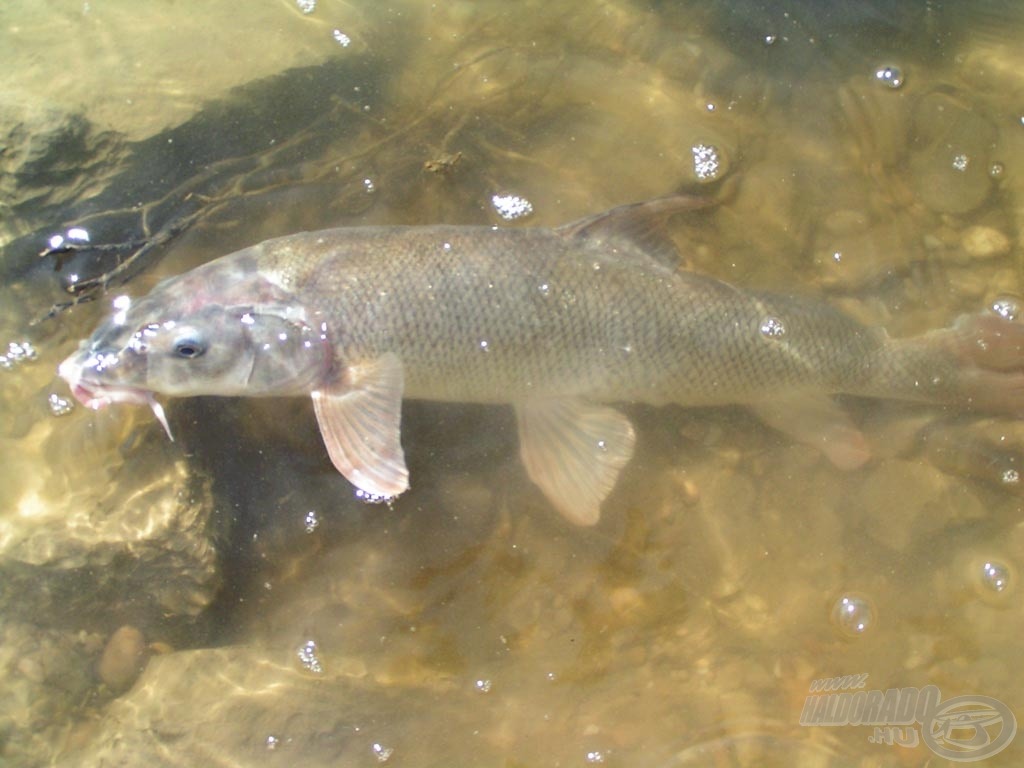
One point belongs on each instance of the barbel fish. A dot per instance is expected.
(562, 323)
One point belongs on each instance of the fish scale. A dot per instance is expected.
(630, 329)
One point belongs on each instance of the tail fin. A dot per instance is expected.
(990, 350)
(977, 363)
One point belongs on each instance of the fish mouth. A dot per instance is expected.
(96, 395)
(100, 396)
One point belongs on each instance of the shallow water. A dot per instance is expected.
(870, 156)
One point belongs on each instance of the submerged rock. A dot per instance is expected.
(89, 532)
(952, 153)
(236, 703)
(44, 680)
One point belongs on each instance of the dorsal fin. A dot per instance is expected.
(640, 225)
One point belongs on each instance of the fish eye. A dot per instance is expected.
(189, 348)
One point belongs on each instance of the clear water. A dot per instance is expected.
(871, 155)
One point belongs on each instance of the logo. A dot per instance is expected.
(962, 729)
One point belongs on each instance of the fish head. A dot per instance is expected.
(193, 336)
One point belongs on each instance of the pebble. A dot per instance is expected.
(626, 600)
(123, 659)
(982, 242)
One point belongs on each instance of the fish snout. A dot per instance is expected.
(93, 375)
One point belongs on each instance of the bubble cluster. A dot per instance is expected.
(306, 6)
(74, 235)
(59, 406)
(511, 207)
(706, 163)
(312, 521)
(341, 38)
(382, 753)
(18, 352)
(853, 614)
(308, 657)
(372, 498)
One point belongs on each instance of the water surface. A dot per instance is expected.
(872, 156)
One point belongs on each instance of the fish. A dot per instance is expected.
(565, 324)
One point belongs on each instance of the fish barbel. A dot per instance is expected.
(560, 323)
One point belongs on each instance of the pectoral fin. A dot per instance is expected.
(360, 420)
(816, 420)
(574, 451)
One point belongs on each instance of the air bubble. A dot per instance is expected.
(1007, 307)
(341, 38)
(545, 289)
(369, 186)
(996, 170)
(483, 685)
(273, 742)
(770, 39)
(306, 6)
(772, 328)
(992, 579)
(853, 615)
(890, 77)
(995, 576)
